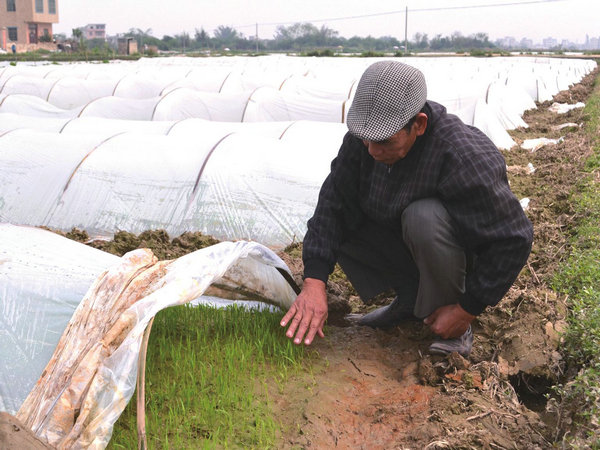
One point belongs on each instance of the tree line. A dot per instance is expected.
(299, 37)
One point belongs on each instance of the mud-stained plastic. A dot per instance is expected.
(537, 143)
(91, 375)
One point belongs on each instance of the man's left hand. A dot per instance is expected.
(449, 321)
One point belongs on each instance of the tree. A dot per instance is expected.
(440, 43)
(387, 43)
(421, 41)
(296, 31)
(76, 33)
(202, 38)
(484, 39)
(168, 43)
(458, 42)
(327, 36)
(78, 37)
(368, 43)
(225, 36)
(184, 40)
(143, 36)
(302, 35)
(355, 42)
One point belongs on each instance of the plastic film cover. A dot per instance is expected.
(265, 195)
(30, 105)
(132, 182)
(72, 92)
(43, 277)
(183, 103)
(91, 376)
(10, 121)
(36, 168)
(121, 108)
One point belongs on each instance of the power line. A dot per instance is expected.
(389, 13)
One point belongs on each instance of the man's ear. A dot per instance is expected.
(420, 123)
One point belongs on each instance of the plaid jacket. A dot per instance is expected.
(453, 162)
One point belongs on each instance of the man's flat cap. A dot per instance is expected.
(388, 95)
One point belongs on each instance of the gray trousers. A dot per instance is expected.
(423, 262)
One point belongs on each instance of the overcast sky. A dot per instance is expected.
(561, 19)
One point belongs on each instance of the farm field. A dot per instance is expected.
(357, 385)
(365, 385)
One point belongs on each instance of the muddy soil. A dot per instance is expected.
(374, 389)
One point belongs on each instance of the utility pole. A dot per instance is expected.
(406, 31)
(256, 37)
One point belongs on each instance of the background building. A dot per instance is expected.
(94, 31)
(26, 23)
(549, 43)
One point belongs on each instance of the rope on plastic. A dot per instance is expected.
(141, 389)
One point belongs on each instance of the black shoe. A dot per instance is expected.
(388, 316)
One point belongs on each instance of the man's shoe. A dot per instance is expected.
(461, 344)
(388, 316)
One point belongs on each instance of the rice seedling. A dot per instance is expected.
(207, 378)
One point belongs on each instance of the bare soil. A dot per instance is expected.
(379, 390)
(16, 436)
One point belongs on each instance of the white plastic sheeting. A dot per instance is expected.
(21, 84)
(148, 188)
(66, 93)
(71, 92)
(11, 121)
(562, 108)
(30, 105)
(265, 104)
(268, 104)
(215, 145)
(487, 121)
(184, 103)
(268, 195)
(44, 278)
(36, 169)
(282, 88)
(110, 127)
(252, 181)
(537, 143)
(121, 108)
(509, 103)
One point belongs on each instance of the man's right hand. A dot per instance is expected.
(308, 313)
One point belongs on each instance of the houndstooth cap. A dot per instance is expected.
(388, 95)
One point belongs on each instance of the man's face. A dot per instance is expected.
(397, 146)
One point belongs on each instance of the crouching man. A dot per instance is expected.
(416, 201)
